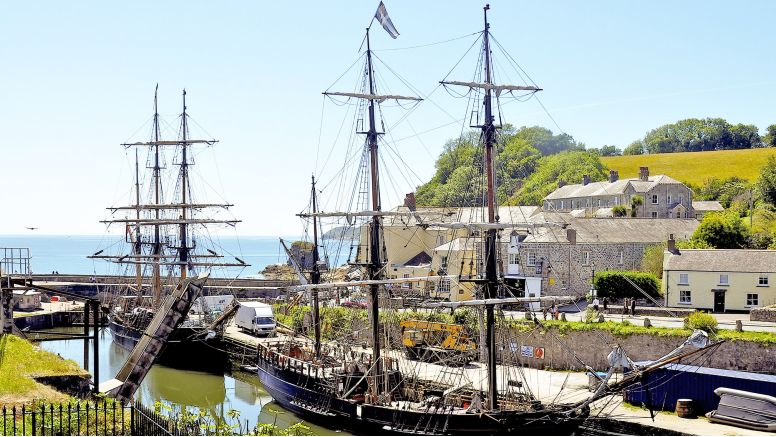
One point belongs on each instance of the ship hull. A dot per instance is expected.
(296, 393)
(181, 351)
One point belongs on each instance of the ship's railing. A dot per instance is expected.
(15, 262)
(270, 352)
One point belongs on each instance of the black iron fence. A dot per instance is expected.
(106, 417)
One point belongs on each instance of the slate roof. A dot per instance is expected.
(606, 188)
(419, 259)
(616, 230)
(458, 244)
(722, 260)
(507, 214)
(707, 205)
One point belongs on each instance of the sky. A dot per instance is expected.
(78, 80)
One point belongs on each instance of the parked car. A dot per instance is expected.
(355, 304)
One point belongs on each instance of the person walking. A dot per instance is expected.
(633, 307)
(606, 303)
(625, 307)
(595, 304)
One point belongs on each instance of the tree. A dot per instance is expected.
(696, 135)
(723, 190)
(636, 202)
(609, 151)
(769, 140)
(619, 211)
(652, 261)
(722, 231)
(635, 148)
(767, 183)
(565, 166)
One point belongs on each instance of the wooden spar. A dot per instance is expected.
(171, 206)
(371, 96)
(315, 278)
(182, 142)
(183, 250)
(375, 265)
(183, 221)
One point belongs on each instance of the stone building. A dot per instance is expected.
(663, 196)
(565, 258)
(703, 207)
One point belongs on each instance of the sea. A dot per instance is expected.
(67, 254)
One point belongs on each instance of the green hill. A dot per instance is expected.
(694, 167)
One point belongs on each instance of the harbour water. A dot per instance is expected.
(217, 394)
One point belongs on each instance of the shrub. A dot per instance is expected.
(700, 320)
(619, 211)
(612, 284)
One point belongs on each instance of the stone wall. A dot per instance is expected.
(592, 348)
(767, 314)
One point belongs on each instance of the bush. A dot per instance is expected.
(700, 320)
(612, 284)
(619, 211)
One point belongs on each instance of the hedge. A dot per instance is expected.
(612, 284)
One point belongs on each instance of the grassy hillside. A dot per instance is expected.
(694, 167)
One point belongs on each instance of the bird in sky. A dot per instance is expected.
(32, 228)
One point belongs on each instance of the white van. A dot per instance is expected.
(256, 317)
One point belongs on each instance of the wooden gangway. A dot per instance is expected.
(172, 312)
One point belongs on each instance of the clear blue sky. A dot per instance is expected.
(78, 78)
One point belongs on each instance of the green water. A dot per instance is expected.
(182, 388)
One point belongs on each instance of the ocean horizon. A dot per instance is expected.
(67, 254)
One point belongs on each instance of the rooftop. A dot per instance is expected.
(606, 188)
(616, 230)
(722, 260)
(707, 205)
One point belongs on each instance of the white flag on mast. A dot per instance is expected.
(382, 16)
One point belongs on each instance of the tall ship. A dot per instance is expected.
(367, 380)
(167, 237)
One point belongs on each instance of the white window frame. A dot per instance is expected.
(621, 259)
(513, 258)
(654, 214)
(444, 285)
(655, 199)
(616, 200)
(681, 198)
(685, 297)
(669, 199)
(763, 281)
(685, 280)
(440, 240)
(586, 258)
(406, 284)
(752, 299)
(531, 258)
(727, 279)
(443, 262)
(562, 204)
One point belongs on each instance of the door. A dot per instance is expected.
(719, 301)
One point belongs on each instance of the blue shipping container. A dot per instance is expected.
(664, 386)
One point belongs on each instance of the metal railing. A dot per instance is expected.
(106, 417)
(15, 262)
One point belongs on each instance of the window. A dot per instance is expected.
(681, 198)
(444, 285)
(561, 204)
(763, 281)
(616, 200)
(655, 199)
(654, 214)
(514, 258)
(406, 284)
(621, 260)
(440, 240)
(752, 299)
(685, 296)
(684, 279)
(669, 199)
(586, 258)
(443, 263)
(531, 258)
(599, 202)
(724, 280)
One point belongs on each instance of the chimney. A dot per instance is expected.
(613, 175)
(571, 235)
(644, 174)
(409, 201)
(585, 179)
(561, 184)
(672, 245)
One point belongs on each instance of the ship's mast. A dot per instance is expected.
(375, 263)
(491, 284)
(315, 277)
(138, 244)
(183, 250)
(157, 245)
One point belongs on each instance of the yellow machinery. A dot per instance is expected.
(435, 342)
